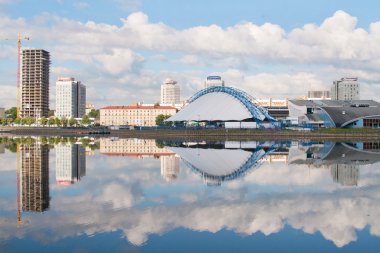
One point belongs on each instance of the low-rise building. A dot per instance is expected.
(135, 114)
(335, 113)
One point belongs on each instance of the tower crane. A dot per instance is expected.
(19, 39)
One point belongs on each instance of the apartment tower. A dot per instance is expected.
(70, 98)
(34, 83)
(346, 88)
(170, 92)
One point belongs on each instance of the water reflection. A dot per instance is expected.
(263, 187)
(226, 161)
(343, 159)
(34, 177)
(70, 163)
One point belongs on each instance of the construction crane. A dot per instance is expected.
(19, 39)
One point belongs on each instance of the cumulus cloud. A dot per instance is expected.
(267, 59)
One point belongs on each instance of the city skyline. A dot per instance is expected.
(254, 46)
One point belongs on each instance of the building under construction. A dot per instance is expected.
(34, 90)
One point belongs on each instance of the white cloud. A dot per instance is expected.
(265, 60)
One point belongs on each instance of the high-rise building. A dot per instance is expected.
(214, 81)
(70, 163)
(34, 177)
(70, 98)
(170, 92)
(346, 88)
(34, 83)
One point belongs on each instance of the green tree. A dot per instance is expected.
(17, 121)
(160, 119)
(93, 113)
(64, 122)
(57, 121)
(72, 122)
(43, 121)
(23, 121)
(51, 121)
(29, 121)
(85, 120)
(11, 113)
(51, 113)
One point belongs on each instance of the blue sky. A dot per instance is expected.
(124, 50)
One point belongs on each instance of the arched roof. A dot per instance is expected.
(342, 116)
(221, 103)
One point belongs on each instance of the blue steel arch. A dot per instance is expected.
(252, 162)
(257, 112)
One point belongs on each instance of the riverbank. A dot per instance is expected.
(199, 134)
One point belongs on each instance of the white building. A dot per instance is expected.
(214, 81)
(70, 98)
(346, 88)
(70, 163)
(170, 92)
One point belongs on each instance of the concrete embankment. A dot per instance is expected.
(193, 134)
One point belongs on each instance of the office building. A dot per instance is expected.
(34, 177)
(135, 114)
(214, 81)
(70, 98)
(170, 92)
(70, 163)
(34, 83)
(346, 88)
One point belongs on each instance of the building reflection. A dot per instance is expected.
(70, 163)
(34, 177)
(170, 167)
(342, 159)
(143, 148)
(2, 148)
(224, 161)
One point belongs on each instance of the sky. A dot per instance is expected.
(124, 50)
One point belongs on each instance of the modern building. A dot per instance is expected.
(346, 88)
(214, 81)
(34, 177)
(135, 114)
(70, 98)
(70, 163)
(34, 83)
(221, 104)
(170, 92)
(318, 94)
(335, 113)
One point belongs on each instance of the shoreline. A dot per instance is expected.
(196, 134)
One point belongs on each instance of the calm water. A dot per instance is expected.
(130, 195)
